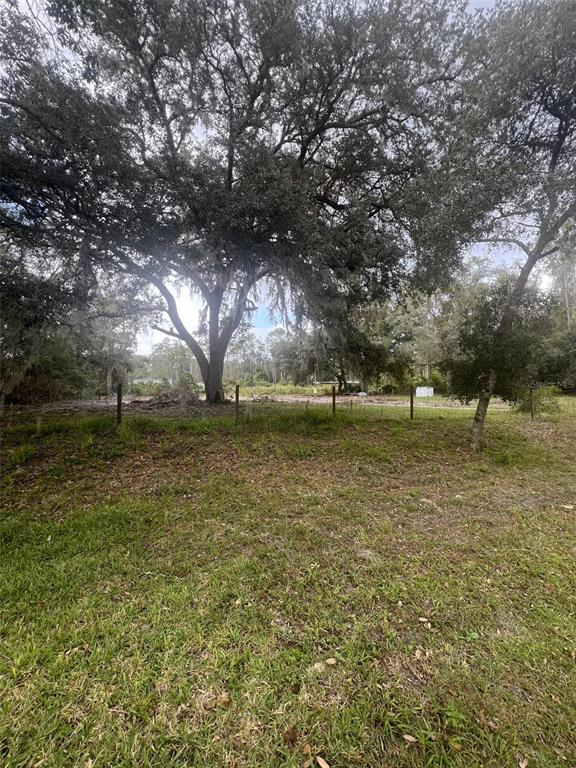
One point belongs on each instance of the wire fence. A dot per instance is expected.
(241, 408)
(378, 407)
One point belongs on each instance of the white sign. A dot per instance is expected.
(424, 391)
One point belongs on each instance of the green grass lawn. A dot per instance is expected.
(362, 589)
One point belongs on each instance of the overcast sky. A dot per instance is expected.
(480, 4)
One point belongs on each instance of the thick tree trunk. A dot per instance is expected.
(217, 347)
(213, 381)
(214, 390)
(212, 365)
(219, 334)
(481, 410)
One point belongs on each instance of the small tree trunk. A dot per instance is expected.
(109, 382)
(481, 410)
(342, 383)
(506, 321)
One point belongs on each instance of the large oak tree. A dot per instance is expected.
(211, 144)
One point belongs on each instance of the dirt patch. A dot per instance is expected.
(130, 405)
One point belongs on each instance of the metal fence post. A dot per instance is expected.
(237, 402)
(411, 401)
(333, 400)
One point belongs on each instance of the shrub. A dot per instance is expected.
(540, 400)
(144, 388)
(437, 380)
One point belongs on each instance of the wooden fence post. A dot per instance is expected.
(411, 402)
(119, 403)
(333, 400)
